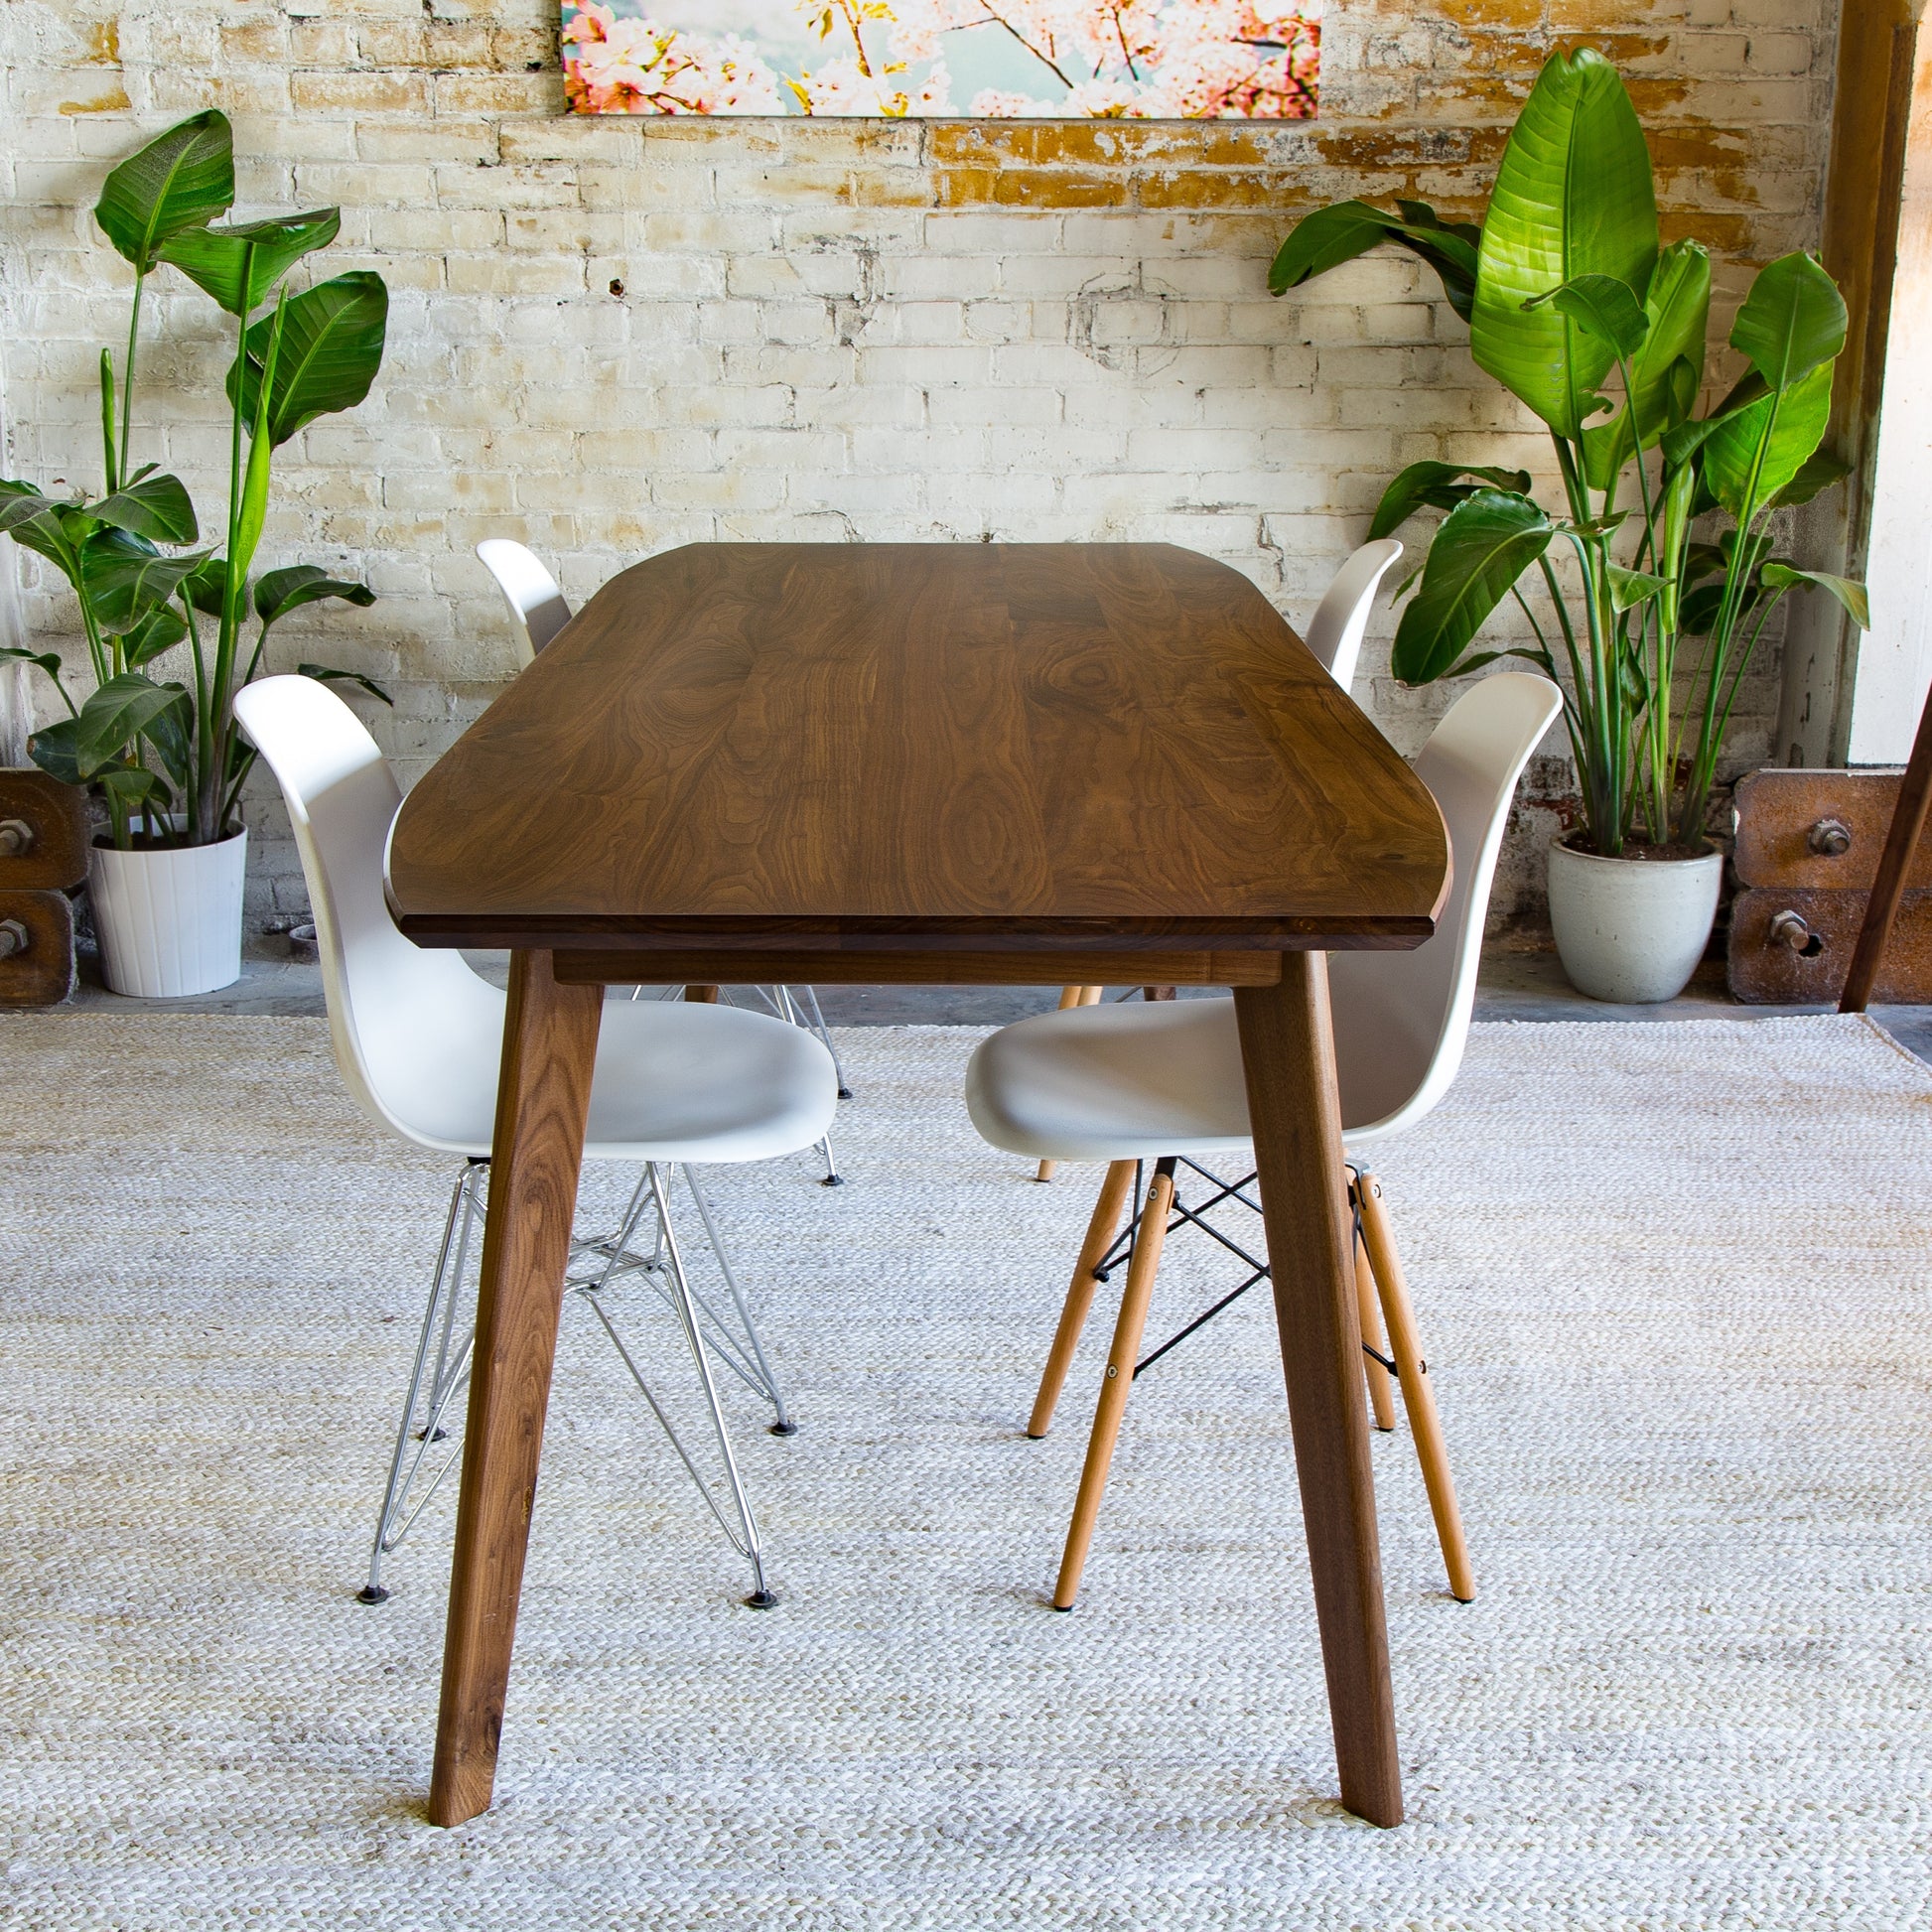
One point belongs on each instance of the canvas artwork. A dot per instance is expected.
(1060, 60)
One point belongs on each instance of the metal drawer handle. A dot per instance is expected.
(1788, 928)
(1829, 838)
(14, 939)
(16, 838)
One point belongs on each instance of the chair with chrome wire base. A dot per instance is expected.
(539, 609)
(1129, 1084)
(417, 1038)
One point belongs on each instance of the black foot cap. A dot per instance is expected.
(782, 1429)
(833, 1180)
(421, 1437)
(761, 1600)
(1062, 1608)
(845, 1093)
(373, 1593)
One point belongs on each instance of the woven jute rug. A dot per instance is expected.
(1674, 1285)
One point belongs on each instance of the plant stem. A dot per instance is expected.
(127, 377)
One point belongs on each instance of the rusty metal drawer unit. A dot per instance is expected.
(1807, 853)
(42, 853)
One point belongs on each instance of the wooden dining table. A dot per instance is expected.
(921, 764)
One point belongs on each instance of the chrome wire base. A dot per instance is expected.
(441, 1371)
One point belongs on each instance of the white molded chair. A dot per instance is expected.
(540, 609)
(1340, 620)
(535, 598)
(418, 1038)
(1129, 1083)
(1334, 639)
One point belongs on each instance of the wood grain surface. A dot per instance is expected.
(1287, 1056)
(977, 743)
(542, 1103)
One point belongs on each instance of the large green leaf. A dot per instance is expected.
(1818, 472)
(1666, 367)
(116, 714)
(332, 348)
(1608, 308)
(1752, 456)
(1340, 233)
(51, 748)
(161, 629)
(1484, 545)
(1852, 595)
(327, 674)
(1440, 486)
(1572, 198)
(180, 179)
(157, 508)
(122, 579)
(215, 259)
(281, 590)
(1792, 320)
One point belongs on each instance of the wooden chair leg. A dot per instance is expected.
(1080, 1294)
(1381, 1384)
(1070, 996)
(1412, 1371)
(1116, 1381)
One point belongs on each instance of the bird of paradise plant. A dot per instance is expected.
(1666, 514)
(166, 757)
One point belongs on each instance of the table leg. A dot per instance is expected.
(1288, 1054)
(542, 1103)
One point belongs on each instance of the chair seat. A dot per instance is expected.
(1124, 1081)
(673, 1082)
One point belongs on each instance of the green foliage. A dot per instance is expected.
(180, 179)
(331, 351)
(239, 266)
(1572, 198)
(149, 744)
(1577, 310)
(1485, 543)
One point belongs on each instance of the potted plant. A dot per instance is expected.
(163, 755)
(1654, 571)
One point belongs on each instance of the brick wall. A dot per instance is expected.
(612, 337)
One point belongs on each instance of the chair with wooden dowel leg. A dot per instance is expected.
(1133, 1083)
(1335, 640)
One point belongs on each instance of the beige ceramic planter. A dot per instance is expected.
(1632, 931)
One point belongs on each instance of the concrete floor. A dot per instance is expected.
(1516, 984)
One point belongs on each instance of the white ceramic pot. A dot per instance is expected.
(1632, 931)
(169, 922)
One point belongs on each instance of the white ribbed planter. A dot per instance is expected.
(169, 922)
(1632, 930)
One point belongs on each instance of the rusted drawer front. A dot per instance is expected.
(36, 948)
(1788, 822)
(1766, 970)
(43, 831)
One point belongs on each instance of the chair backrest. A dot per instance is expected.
(1402, 1019)
(403, 1020)
(535, 600)
(1340, 620)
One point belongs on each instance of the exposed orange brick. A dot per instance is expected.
(1051, 187)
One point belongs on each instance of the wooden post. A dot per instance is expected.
(1287, 1056)
(1894, 866)
(542, 1103)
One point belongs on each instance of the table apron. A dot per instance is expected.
(739, 968)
